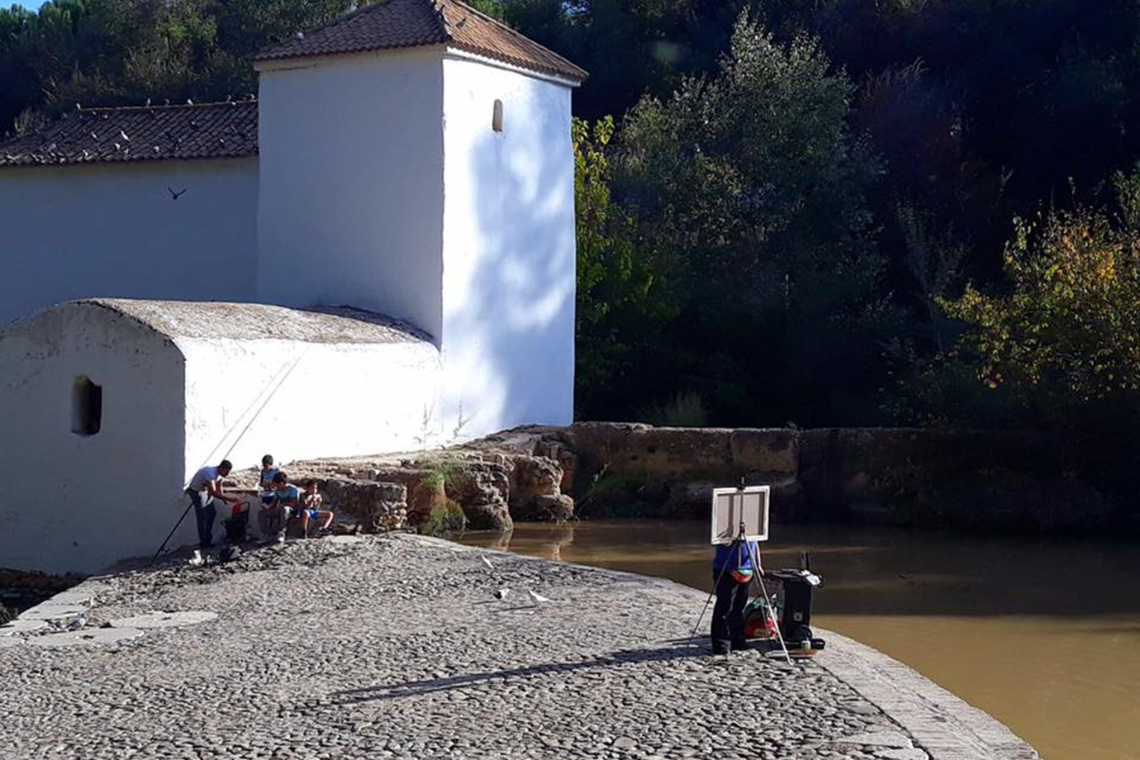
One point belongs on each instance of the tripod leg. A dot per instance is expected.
(716, 585)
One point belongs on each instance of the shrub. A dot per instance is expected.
(686, 409)
(444, 519)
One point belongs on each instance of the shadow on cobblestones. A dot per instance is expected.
(417, 688)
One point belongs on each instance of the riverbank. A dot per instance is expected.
(395, 646)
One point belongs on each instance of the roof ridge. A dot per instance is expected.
(511, 31)
(437, 6)
(164, 106)
(500, 24)
(395, 24)
(360, 11)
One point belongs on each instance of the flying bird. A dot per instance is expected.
(487, 562)
(175, 195)
(537, 599)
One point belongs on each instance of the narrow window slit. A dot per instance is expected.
(497, 116)
(86, 406)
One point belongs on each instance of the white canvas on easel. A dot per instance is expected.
(731, 506)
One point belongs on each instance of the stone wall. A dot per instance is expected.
(1007, 480)
(1004, 480)
(493, 485)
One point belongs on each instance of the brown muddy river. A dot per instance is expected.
(1044, 635)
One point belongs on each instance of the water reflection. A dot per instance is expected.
(1043, 634)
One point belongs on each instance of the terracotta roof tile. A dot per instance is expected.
(413, 23)
(149, 133)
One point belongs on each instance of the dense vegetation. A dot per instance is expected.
(830, 212)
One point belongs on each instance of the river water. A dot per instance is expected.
(1043, 635)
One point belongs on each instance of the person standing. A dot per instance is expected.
(205, 487)
(732, 574)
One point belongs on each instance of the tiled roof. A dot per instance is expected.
(412, 23)
(147, 133)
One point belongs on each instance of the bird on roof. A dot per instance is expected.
(189, 102)
(487, 562)
(536, 598)
(123, 135)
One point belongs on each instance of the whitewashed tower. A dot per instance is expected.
(415, 159)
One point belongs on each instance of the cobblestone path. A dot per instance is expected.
(396, 647)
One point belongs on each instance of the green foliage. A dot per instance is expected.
(750, 187)
(444, 519)
(1069, 329)
(618, 275)
(686, 409)
(112, 52)
(440, 472)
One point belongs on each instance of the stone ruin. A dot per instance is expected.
(494, 482)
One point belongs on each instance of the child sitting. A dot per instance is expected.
(275, 516)
(311, 509)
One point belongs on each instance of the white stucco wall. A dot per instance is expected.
(113, 230)
(351, 205)
(338, 400)
(509, 248)
(75, 503)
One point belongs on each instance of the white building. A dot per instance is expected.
(109, 406)
(411, 159)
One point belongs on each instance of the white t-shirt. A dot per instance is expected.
(202, 477)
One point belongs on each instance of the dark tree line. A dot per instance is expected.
(823, 212)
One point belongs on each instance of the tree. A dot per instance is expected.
(617, 277)
(753, 183)
(1068, 332)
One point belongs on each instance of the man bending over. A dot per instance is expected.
(205, 487)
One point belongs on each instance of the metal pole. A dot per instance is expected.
(171, 534)
(283, 374)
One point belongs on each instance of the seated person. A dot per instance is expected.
(265, 480)
(286, 501)
(311, 508)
